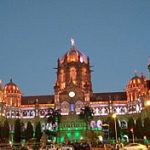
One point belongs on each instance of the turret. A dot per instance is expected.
(12, 94)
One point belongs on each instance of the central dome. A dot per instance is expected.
(73, 55)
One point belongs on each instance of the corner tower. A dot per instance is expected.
(12, 94)
(73, 87)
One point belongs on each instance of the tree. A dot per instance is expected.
(111, 123)
(0, 133)
(29, 131)
(53, 117)
(17, 131)
(38, 132)
(5, 131)
(131, 127)
(86, 114)
(22, 130)
(139, 129)
(146, 128)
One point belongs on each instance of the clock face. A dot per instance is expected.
(71, 94)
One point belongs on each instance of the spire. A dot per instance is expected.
(149, 64)
(135, 73)
(149, 67)
(142, 74)
(10, 80)
(72, 42)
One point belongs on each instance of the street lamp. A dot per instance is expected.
(147, 103)
(114, 117)
(132, 131)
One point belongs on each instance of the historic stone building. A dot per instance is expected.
(72, 91)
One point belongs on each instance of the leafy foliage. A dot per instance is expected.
(38, 132)
(29, 131)
(51, 134)
(139, 129)
(146, 128)
(0, 132)
(53, 117)
(22, 130)
(131, 125)
(5, 131)
(86, 114)
(17, 131)
(111, 123)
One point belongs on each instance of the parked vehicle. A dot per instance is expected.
(67, 147)
(135, 146)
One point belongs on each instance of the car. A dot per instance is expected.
(67, 147)
(135, 146)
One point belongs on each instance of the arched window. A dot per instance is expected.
(62, 76)
(73, 74)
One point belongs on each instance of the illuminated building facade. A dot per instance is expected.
(73, 91)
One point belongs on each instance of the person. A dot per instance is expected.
(117, 146)
(43, 146)
(121, 146)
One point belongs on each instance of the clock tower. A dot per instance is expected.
(73, 87)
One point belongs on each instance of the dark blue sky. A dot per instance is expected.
(115, 34)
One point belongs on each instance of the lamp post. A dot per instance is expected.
(132, 131)
(114, 117)
(147, 105)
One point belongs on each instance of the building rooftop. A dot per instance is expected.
(32, 100)
(110, 96)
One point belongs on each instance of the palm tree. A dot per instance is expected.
(17, 131)
(139, 129)
(131, 127)
(53, 117)
(86, 114)
(5, 131)
(38, 131)
(110, 120)
(29, 131)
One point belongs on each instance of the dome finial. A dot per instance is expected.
(135, 73)
(149, 64)
(72, 42)
(10, 80)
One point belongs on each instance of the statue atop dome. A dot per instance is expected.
(72, 42)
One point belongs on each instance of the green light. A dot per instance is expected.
(77, 135)
(68, 134)
(62, 139)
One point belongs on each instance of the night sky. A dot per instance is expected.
(115, 34)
